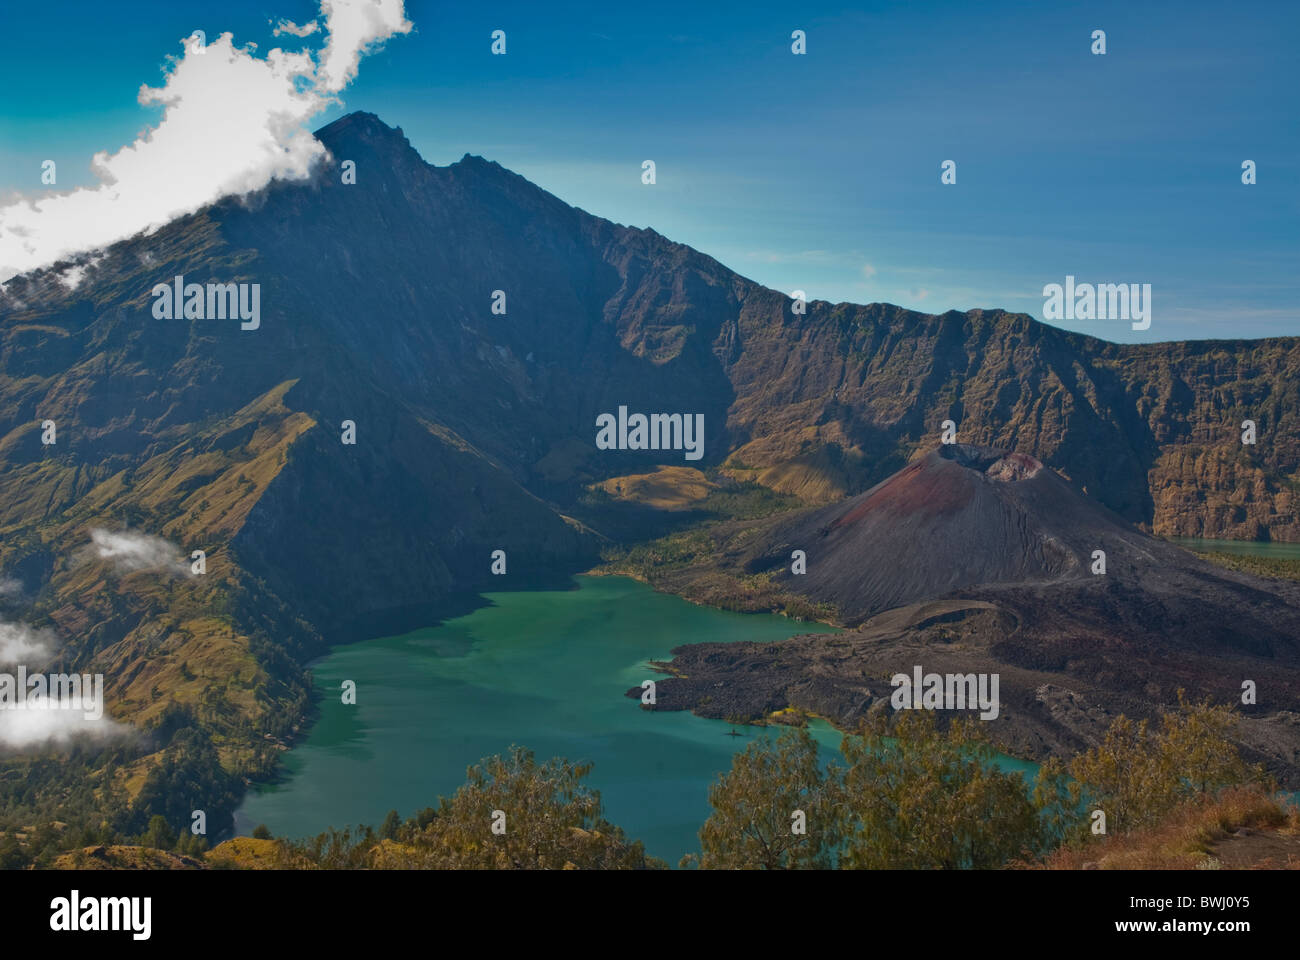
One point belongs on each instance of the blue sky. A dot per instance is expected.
(818, 172)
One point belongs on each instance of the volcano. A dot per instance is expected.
(976, 560)
(958, 517)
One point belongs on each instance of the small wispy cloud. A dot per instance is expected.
(130, 550)
(289, 27)
(20, 643)
(25, 729)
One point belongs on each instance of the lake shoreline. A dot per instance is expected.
(546, 669)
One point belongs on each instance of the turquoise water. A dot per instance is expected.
(1252, 548)
(546, 670)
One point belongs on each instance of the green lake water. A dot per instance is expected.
(546, 670)
(1252, 548)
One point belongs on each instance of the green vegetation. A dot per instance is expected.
(66, 800)
(685, 563)
(754, 808)
(911, 796)
(512, 814)
(917, 797)
(1140, 772)
(914, 796)
(189, 777)
(1282, 568)
(732, 500)
(159, 835)
(674, 551)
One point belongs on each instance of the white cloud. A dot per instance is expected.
(868, 271)
(38, 716)
(27, 727)
(20, 643)
(72, 277)
(232, 122)
(354, 27)
(128, 551)
(288, 26)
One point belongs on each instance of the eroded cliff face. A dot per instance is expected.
(837, 400)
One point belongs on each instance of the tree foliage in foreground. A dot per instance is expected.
(918, 797)
(911, 794)
(777, 809)
(512, 814)
(1141, 771)
(914, 795)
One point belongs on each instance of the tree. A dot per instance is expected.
(512, 814)
(159, 834)
(515, 814)
(1139, 772)
(11, 854)
(189, 777)
(775, 810)
(262, 832)
(918, 798)
(191, 845)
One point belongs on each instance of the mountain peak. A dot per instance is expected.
(994, 463)
(362, 129)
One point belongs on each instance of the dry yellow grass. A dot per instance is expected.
(668, 488)
(121, 857)
(250, 853)
(1243, 828)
